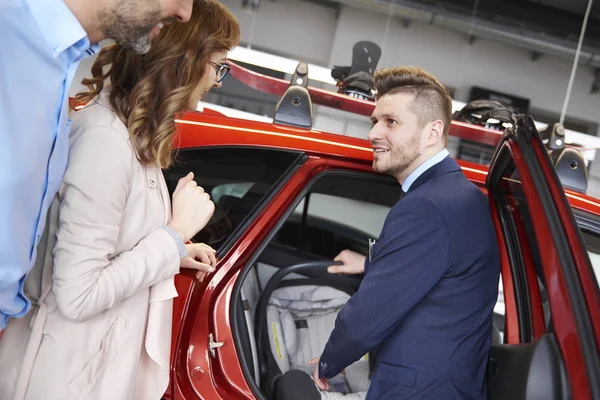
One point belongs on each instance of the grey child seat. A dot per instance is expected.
(294, 319)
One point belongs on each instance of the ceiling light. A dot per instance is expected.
(281, 64)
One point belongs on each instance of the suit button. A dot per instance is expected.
(323, 364)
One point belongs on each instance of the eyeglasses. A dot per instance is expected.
(222, 70)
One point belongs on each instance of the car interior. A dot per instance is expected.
(287, 302)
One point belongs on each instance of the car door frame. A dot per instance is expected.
(572, 291)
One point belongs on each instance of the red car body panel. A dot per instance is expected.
(203, 307)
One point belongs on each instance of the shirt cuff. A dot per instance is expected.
(178, 241)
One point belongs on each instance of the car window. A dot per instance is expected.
(339, 212)
(356, 214)
(236, 178)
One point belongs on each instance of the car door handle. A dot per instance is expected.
(212, 345)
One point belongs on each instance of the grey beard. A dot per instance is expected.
(129, 25)
(140, 46)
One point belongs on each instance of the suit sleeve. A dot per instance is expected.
(412, 256)
(97, 184)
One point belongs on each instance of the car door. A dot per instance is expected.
(240, 181)
(551, 342)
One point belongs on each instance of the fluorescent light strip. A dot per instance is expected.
(233, 113)
(281, 64)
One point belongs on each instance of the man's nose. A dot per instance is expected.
(185, 11)
(374, 133)
(218, 84)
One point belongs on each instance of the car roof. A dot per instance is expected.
(211, 128)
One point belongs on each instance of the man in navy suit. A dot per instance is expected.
(425, 304)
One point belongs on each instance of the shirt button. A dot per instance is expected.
(56, 48)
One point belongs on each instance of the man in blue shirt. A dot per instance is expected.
(43, 41)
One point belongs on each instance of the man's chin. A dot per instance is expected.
(140, 46)
(380, 169)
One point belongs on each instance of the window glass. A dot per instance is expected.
(339, 212)
(237, 179)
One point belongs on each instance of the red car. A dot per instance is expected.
(290, 196)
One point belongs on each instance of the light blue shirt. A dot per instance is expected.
(410, 179)
(42, 44)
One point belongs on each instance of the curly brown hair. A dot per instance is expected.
(431, 99)
(148, 90)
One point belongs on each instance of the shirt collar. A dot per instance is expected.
(58, 25)
(413, 176)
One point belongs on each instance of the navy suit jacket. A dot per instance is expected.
(426, 301)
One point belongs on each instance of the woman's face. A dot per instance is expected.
(209, 79)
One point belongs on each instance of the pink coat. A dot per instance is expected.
(102, 286)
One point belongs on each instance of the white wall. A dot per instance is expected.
(448, 56)
(289, 27)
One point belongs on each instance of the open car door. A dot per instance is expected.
(552, 335)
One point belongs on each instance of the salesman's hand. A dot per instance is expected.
(321, 382)
(192, 208)
(201, 257)
(354, 263)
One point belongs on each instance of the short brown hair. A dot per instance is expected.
(148, 90)
(431, 99)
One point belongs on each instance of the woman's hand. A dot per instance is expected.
(192, 208)
(201, 257)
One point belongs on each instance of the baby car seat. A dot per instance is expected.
(294, 318)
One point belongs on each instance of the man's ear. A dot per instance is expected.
(436, 132)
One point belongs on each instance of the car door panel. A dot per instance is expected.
(522, 173)
(532, 371)
(212, 301)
